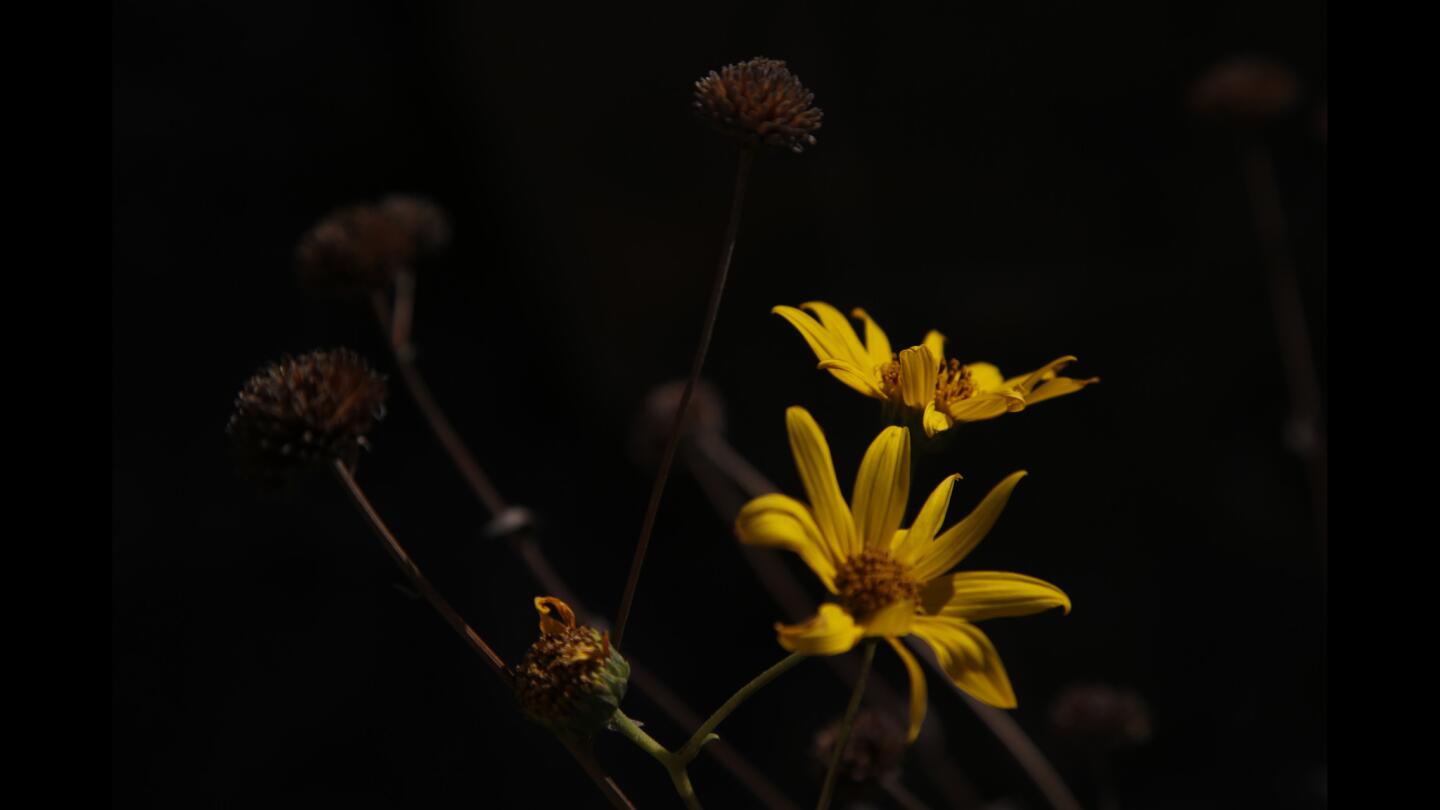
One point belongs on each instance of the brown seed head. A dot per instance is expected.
(1245, 91)
(423, 222)
(1100, 716)
(875, 749)
(358, 247)
(759, 101)
(313, 408)
(571, 679)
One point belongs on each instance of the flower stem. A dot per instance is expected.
(706, 731)
(674, 765)
(732, 227)
(828, 791)
(418, 579)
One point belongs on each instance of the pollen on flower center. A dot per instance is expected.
(873, 580)
(954, 383)
(890, 378)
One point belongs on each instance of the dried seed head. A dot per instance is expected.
(313, 408)
(759, 101)
(651, 428)
(875, 749)
(424, 222)
(1099, 716)
(571, 680)
(1245, 91)
(358, 247)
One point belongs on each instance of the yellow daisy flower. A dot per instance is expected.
(892, 582)
(920, 378)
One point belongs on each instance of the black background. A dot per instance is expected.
(1024, 177)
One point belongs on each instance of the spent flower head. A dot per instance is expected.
(571, 680)
(363, 247)
(920, 378)
(313, 408)
(759, 102)
(891, 582)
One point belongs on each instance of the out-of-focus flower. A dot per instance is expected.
(1100, 716)
(1245, 90)
(759, 102)
(875, 749)
(363, 247)
(651, 428)
(571, 680)
(920, 378)
(312, 408)
(892, 582)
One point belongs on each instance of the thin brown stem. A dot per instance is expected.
(412, 572)
(827, 793)
(418, 579)
(657, 491)
(404, 313)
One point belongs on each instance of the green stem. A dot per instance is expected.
(828, 791)
(674, 765)
(705, 733)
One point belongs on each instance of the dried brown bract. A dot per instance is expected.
(760, 102)
(1245, 90)
(314, 408)
(358, 247)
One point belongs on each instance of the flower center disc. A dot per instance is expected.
(873, 580)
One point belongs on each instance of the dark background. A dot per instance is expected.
(1024, 177)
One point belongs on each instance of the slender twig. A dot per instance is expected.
(732, 227)
(404, 311)
(418, 579)
(1306, 433)
(846, 725)
(715, 450)
(412, 572)
(524, 545)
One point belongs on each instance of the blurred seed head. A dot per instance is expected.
(309, 409)
(1099, 716)
(651, 429)
(1245, 91)
(362, 247)
(875, 750)
(759, 102)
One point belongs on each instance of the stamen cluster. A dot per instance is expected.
(954, 383)
(759, 101)
(872, 580)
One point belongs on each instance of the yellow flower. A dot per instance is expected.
(920, 378)
(892, 582)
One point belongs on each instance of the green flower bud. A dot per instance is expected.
(571, 680)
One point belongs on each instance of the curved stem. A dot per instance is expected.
(703, 734)
(732, 227)
(418, 579)
(674, 764)
(828, 791)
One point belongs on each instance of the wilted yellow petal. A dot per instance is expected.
(918, 696)
(978, 595)
(969, 658)
(882, 487)
(830, 632)
(1026, 383)
(957, 541)
(563, 620)
(779, 521)
(817, 473)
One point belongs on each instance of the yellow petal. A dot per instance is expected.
(927, 523)
(1026, 383)
(1057, 387)
(986, 376)
(969, 658)
(838, 325)
(544, 605)
(957, 541)
(918, 370)
(830, 632)
(825, 345)
(917, 688)
(935, 421)
(978, 595)
(984, 405)
(877, 345)
(935, 342)
(882, 487)
(817, 473)
(890, 621)
(846, 372)
(779, 521)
